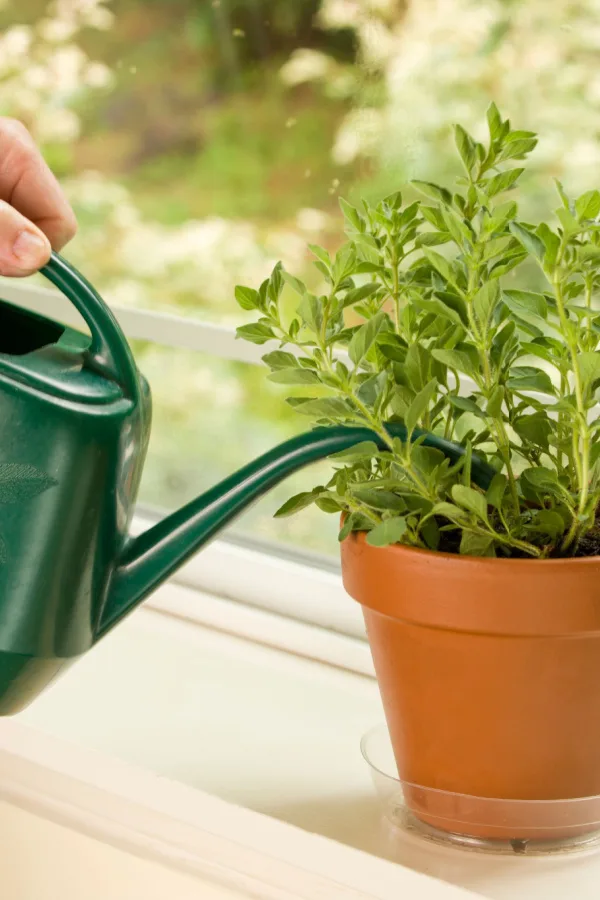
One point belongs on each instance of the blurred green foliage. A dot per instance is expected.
(202, 140)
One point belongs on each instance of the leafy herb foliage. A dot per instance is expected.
(416, 323)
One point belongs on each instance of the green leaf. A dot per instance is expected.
(526, 326)
(531, 242)
(401, 400)
(363, 450)
(549, 522)
(325, 408)
(518, 148)
(472, 544)
(433, 191)
(562, 194)
(346, 528)
(432, 238)
(494, 121)
(379, 499)
(496, 490)
(394, 200)
(275, 283)
(441, 265)
(294, 282)
(466, 147)
(364, 337)
(310, 310)
(534, 428)
(588, 205)
(470, 499)
(419, 405)
(256, 334)
(526, 304)
(294, 375)
(484, 302)
(392, 346)
(502, 214)
(540, 349)
(526, 378)
(352, 215)
(568, 221)
(507, 264)
(542, 480)
(327, 503)
(355, 295)
(390, 531)
(496, 248)
(519, 135)
(551, 243)
(494, 404)
(349, 525)
(454, 302)
(426, 459)
(295, 504)
(455, 359)
(372, 389)
(430, 533)
(417, 366)
(345, 260)
(504, 181)
(278, 359)
(321, 254)
(449, 511)
(466, 404)
(589, 366)
(325, 272)
(435, 305)
(434, 216)
(247, 297)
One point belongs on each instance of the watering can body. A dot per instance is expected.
(76, 416)
(72, 448)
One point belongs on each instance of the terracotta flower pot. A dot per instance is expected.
(489, 671)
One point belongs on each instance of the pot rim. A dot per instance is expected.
(473, 593)
(464, 559)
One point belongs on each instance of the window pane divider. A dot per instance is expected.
(153, 326)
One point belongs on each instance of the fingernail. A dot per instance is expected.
(30, 249)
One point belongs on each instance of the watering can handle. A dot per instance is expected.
(109, 353)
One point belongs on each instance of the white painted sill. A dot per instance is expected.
(74, 824)
(227, 759)
(131, 746)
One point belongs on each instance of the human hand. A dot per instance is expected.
(35, 215)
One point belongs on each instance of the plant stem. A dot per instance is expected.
(581, 438)
(589, 280)
(497, 428)
(362, 510)
(396, 292)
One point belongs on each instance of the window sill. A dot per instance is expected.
(215, 716)
(192, 726)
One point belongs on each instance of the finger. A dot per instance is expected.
(27, 183)
(24, 248)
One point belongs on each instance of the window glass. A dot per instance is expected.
(210, 417)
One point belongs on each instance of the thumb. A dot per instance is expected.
(23, 247)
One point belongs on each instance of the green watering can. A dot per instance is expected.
(75, 416)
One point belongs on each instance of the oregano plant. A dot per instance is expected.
(426, 316)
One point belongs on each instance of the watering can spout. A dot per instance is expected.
(151, 558)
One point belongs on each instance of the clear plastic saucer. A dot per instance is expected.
(479, 823)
